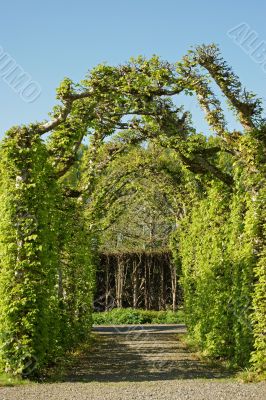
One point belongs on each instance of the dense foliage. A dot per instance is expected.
(47, 271)
(129, 316)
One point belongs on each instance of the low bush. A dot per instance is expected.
(131, 316)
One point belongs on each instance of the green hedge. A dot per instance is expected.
(221, 246)
(131, 316)
(46, 260)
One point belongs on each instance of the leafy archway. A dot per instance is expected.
(48, 236)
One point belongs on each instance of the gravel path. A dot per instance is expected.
(139, 362)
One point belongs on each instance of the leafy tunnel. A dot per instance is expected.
(62, 197)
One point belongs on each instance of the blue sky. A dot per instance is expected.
(52, 39)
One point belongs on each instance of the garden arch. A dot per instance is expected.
(45, 243)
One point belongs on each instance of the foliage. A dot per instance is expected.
(10, 380)
(222, 276)
(29, 257)
(145, 210)
(129, 316)
(38, 263)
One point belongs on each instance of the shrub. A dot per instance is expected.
(129, 316)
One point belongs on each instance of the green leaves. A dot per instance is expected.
(65, 89)
(33, 252)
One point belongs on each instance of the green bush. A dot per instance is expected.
(131, 316)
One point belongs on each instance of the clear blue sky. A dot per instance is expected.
(52, 39)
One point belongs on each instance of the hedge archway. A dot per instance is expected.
(48, 249)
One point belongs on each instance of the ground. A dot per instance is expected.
(139, 362)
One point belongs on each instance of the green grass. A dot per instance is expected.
(129, 316)
(62, 365)
(250, 376)
(9, 380)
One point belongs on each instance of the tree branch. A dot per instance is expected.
(68, 101)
